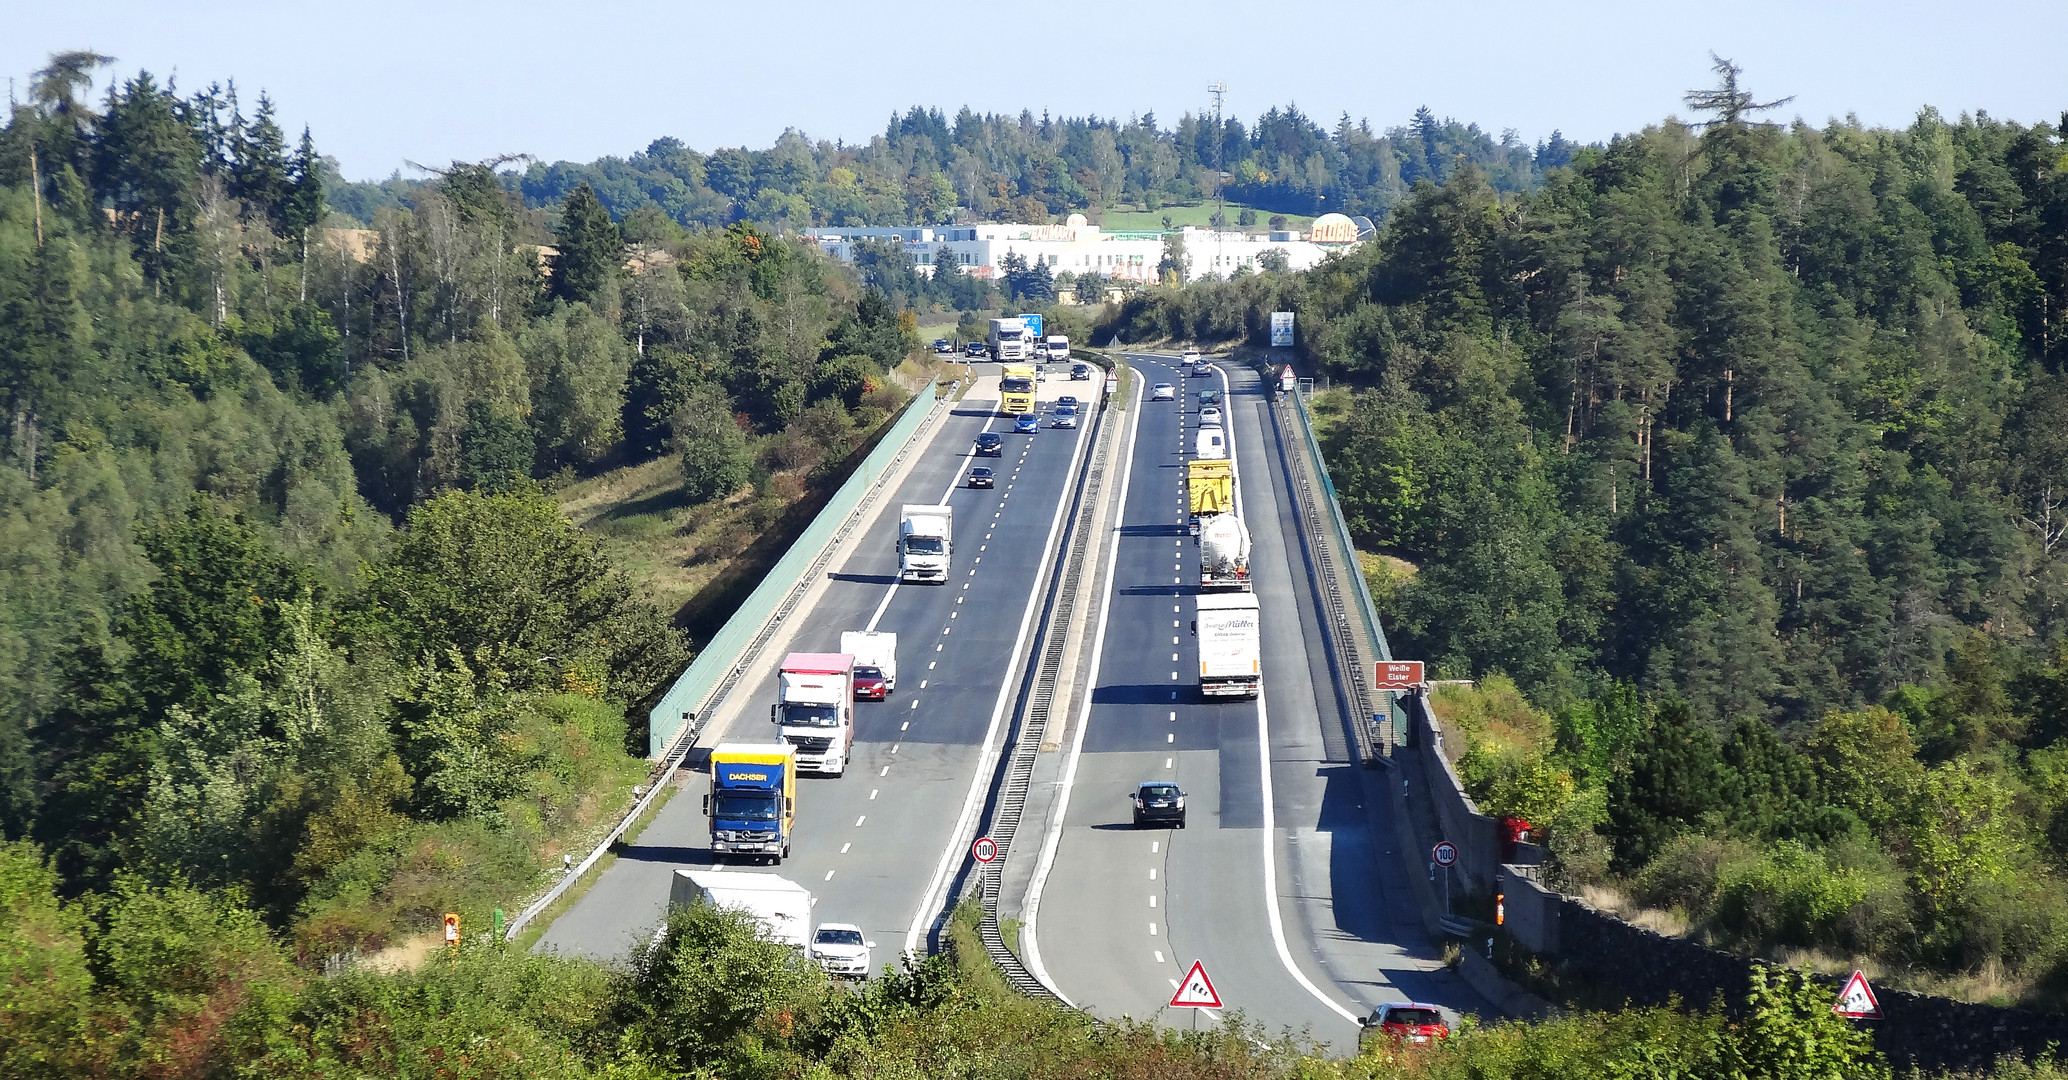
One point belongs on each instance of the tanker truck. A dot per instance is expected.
(1223, 553)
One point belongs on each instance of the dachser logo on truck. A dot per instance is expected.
(731, 775)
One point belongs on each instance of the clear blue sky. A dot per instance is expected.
(381, 81)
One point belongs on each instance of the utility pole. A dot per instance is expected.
(1219, 89)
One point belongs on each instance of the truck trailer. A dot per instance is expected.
(873, 648)
(1210, 486)
(753, 800)
(1224, 553)
(1230, 645)
(926, 542)
(781, 906)
(814, 709)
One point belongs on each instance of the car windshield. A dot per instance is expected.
(987, 439)
(923, 545)
(811, 715)
(1159, 791)
(1414, 1017)
(980, 470)
(1065, 410)
(1016, 385)
(746, 806)
(868, 673)
(838, 937)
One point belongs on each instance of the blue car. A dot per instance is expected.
(1027, 424)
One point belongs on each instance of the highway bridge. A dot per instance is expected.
(1289, 883)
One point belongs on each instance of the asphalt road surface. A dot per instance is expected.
(1298, 907)
(867, 844)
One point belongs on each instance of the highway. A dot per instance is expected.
(871, 844)
(1283, 883)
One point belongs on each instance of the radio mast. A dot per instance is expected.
(1219, 89)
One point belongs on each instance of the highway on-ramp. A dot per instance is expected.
(868, 844)
(1280, 883)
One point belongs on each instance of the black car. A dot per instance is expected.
(943, 345)
(1159, 802)
(976, 349)
(1080, 372)
(981, 476)
(1068, 401)
(990, 444)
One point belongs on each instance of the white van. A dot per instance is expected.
(1210, 443)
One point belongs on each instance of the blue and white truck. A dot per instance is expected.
(753, 800)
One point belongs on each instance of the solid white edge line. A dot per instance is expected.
(1030, 923)
(1270, 830)
(942, 501)
(972, 802)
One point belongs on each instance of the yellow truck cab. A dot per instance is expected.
(1016, 389)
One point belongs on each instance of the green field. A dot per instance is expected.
(1196, 215)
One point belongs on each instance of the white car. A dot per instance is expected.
(1163, 391)
(1209, 415)
(842, 950)
(1191, 356)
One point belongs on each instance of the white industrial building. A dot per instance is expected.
(1076, 247)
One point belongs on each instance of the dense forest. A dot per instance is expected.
(928, 168)
(1742, 450)
(287, 608)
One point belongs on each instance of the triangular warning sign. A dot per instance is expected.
(1197, 991)
(1857, 1000)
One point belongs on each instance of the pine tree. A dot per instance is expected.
(260, 174)
(591, 251)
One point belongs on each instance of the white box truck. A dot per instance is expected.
(926, 542)
(1058, 348)
(1007, 340)
(1230, 645)
(873, 648)
(814, 709)
(781, 906)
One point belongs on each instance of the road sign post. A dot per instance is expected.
(1196, 992)
(1444, 854)
(1856, 999)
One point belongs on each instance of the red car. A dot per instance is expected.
(870, 685)
(1404, 1022)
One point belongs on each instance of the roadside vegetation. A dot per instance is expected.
(292, 609)
(1732, 463)
(174, 981)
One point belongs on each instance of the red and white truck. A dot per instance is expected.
(814, 710)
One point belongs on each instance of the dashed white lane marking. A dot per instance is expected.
(1152, 873)
(938, 648)
(983, 547)
(844, 847)
(1177, 581)
(1167, 763)
(904, 725)
(858, 821)
(1152, 901)
(1159, 957)
(954, 615)
(872, 794)
(959, 599)
(1154, 846)
(1174, 641)
(1175, 607)
(922, 684)
(1174, 656)
(893, 748)
(1170, 737)
(972, 573)
(1173, 715)
(965, 585)
(1174, 678)
(930, 664)
(885, 772)
(1173, 982)
(978, 559)
(829, 875)
(1174, 624)
(1152, 926)
(943, 630)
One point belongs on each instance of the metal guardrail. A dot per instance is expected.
(1040, 701)
(725, 668)
(703, 686)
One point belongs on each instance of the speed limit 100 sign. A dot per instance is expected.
(984, 850)
(1444, 853)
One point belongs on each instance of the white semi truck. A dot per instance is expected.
(781, 906)
(814, 709)
(1230, 645)
(926, 542)
(1224, 553)
(1009, 341)
(873, 648)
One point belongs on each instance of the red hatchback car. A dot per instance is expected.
(1404, 1022)
(870, 685)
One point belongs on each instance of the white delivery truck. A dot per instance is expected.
(926, 542)
(1224, 553)
(1008, 342)
(814, 709)
(1210, 444)
(1058, 348)
(1230, 645)
(873, 648)
(781, 906)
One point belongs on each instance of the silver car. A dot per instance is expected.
(1163, 391)
(1065, 417)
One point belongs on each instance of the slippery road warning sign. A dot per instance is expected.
(1857, 1000)
(1197, 991)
